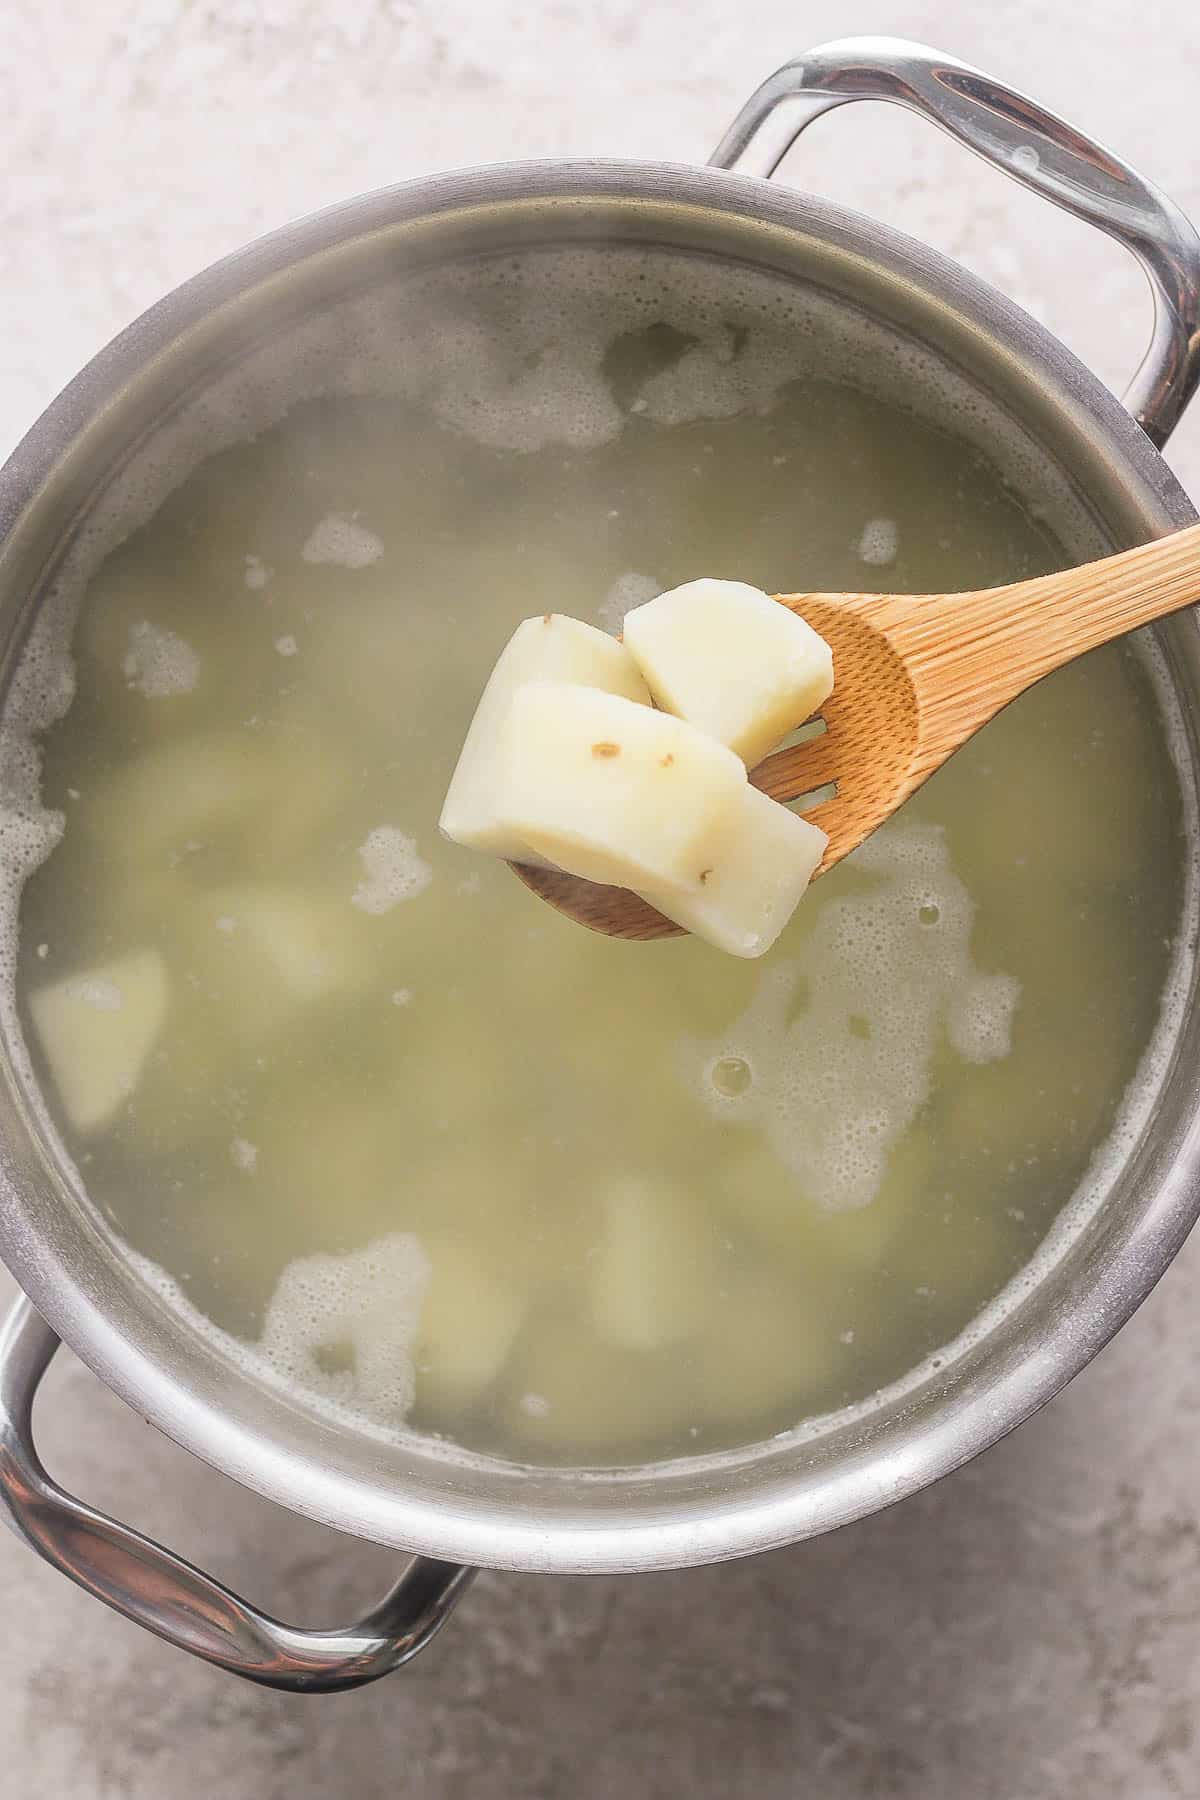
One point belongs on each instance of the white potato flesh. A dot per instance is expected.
(771, 1346)
(652, 1278)
(573, 1390)
(296, 942)
(469, 1322)
(765, 859)
(97, 1030)
(732, 661)
(614, 791)
(551, 648)
(177, 800)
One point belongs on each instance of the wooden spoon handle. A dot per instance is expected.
(970, 654)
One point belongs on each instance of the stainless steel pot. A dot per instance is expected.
(769, 1494)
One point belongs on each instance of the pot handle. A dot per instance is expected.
(1013, 133)
(170, 1597)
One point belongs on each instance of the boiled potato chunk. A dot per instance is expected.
(653, 1277)
(766, 858)
(770, 1354)
(552, 648)
(577, 1396)
(180, 799)
(469, 1322)
(97, 1030)
(296, 942)
(732, 661)
(614, 791)
(266, 955)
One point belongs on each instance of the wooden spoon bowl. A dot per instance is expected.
(916, 676)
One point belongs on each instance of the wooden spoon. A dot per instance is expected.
(916, 676)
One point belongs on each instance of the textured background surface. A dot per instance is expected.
(1031, 1628)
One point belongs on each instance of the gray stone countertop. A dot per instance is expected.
(1029, 1629)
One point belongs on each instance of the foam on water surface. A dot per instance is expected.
(343, 542)
(338, 1328)
(394, 871)
(626, 592)
(834, 1057)
(879, 543)
(158, 663)
(104, 996)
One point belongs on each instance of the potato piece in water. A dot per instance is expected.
(732, 661)
(551, 648)
(763, 1198)
(653, 1277)
(97, 1029)
(1035, 1104)
(1022, 795)
(274, 949)
(468, 1325)
(575, 1396)
(770, 1353)
(765, 859)
(312, 785)
(143, 646)
(177, 801)
(613, 791)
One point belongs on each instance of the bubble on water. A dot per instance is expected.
(158, 663)
(981, 1017)
(402, 997)
(731, 1076)
(627, 591)
(537, 391)
(343, 542)
(879, 542)
(720, 377)
(339, 1328)
(255, 573)
(244, 1154)
(535, 1405)
(94, 991)
(286, 646)
(840, 1087)
(394, 870)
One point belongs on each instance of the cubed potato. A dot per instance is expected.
(769, 1356)
(309, 945)
(764, 1199)
(469, 1321)
(308, 784)
(97, 1029)
(271, 951)
(189, 798)
(576, 1397)
(764, 861)
(1020, 799)
(653, 1277)
(1037, 1106)
(732, 661)
(614, 791)
(551, 648)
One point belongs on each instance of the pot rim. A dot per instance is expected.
(735, 1519)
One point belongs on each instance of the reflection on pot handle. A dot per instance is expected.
(170, 1597)
(1013, 133)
